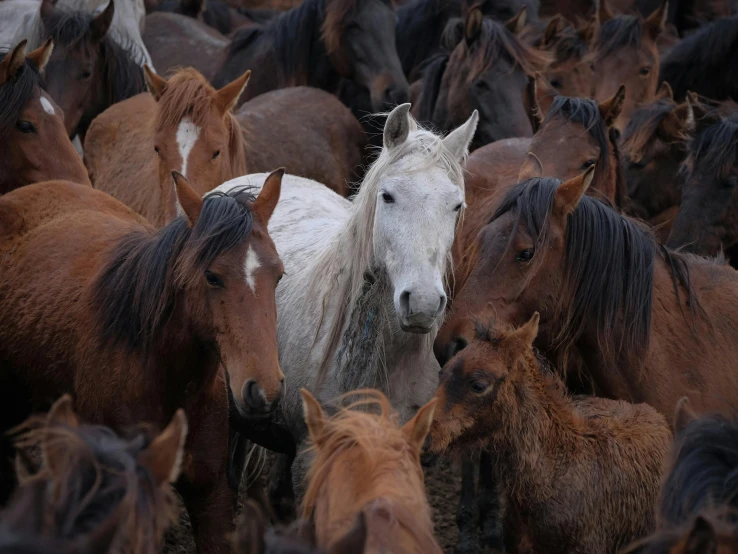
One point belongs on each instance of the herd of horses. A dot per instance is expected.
(363, 235)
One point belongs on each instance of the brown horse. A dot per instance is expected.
(570, 72)
(88, 71)
(183, 125)
(95, 491)
(35, 144)
(575, 134)
(495, 394)
(487, 70)
(650, 325)
(364, 462)
(624, 51)
(163, 314)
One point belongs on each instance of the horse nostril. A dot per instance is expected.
(456, 346)
(394, 95)
(405, 303)
(441, 306)
(253, 395)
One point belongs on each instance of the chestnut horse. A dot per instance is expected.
(366, 463)
(650, 324)
(164, 314)
(35, 144)
(487, 70)
(88, 70)
(183, 125)
(94, 491)
(624, 51)
(570, 72)
(581, 474)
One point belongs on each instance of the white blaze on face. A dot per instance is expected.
(250, 267)
(187, 134)
(46, 105)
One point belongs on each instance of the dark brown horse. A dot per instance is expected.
(94, 491)
(137, 323)
(88, 71)
(35, 146)
(570, 72)
(214, 13)
(487, 70)
(649, 324)
(707, 222)
(624, 51)
(496, 394)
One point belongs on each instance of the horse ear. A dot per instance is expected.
(684, 115)
(585, 28)
(527, 333)
(266, 202)
(228, 96)
(701, 538)
(656, 22)
(555, 27)
(610, 109)
(457, 142)
(603, 12)
(163, 457)
(354, 541)
(188, 199)
(531, 168)
(517, 23)
(418, 427)
(101, 24)
(313, 414)
(473, 24)
(452, 34)
(154, 82)
(683, 415)
(699, 108)
(62, 413)
(40, 56)
(249, 535)
(13, 62)
(397, 126)
(665, 92)
(542, 96)
(569, 193)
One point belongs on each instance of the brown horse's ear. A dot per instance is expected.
(700, 109)
(542, 94)
(13, 62)
(665, 92)
(188, 199)
(473, 24)
(154, 82)
(249, 535)
(656, 22)
(314, 417)
(418, 427)
(266, 202)
(40, 56)
(452, 35)
(683, 415)
(397, 126)
(610, 109)
(62, 413)
(100, 25)
(532, 168)
(684, 116)
(163, 457)
(569, 193)
(701, 538)
(516, 24)
(603, 12)
(585, 28)
(228, 96)
(555, 27)
(354, 541)
(526, 334)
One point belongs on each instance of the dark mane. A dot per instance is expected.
(617, 33)
(609, 269)
(420, 25)
(715, 148)
(431, 85)
(136, 292)
(15, 93)
(704, 62)
(187, 93)
(570, 46)
(643, 125)
(704, 471)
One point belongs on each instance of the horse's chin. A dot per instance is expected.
(417, 329)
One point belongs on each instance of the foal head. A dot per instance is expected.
(365, 462)
(570, 73)
(195, 133)
(96, 491)
(35, 146)
(624, 52)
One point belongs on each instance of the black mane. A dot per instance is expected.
(617, 33)
(15, 93)
(420, 25)
(136, 291)
(715, 148)
(705, 62)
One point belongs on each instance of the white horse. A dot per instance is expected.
(363, 292)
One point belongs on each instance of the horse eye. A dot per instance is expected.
(214, 280)
(85, 75)
(637, 165)
(525, 255)
(25, 127)
(479, 386)
(458, 206)
(556, 84)
(588, 164)
(387, 197)
(646, 70)
(481, 84)
(217, 153)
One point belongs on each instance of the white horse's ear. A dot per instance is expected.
(398, 126)
(459, 139)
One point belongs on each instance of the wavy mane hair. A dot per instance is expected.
(15, 93)
(644, 125)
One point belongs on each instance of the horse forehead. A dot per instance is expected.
(47, 106)
(426, 183)
(186, 137)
